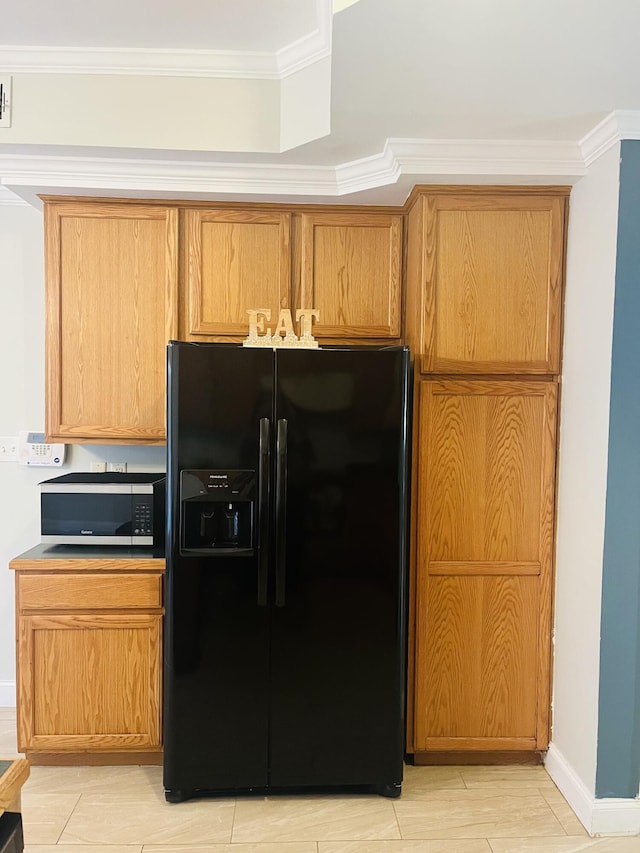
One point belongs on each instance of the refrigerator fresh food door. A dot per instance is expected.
(338, 627)
(217, 622)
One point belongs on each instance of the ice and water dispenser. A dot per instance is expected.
(217, 512)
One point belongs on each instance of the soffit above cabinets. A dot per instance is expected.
(312, 100)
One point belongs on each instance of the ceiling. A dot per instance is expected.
(246, 25)
(444, 76)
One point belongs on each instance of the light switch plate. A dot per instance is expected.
(8, 448)
(5, 100)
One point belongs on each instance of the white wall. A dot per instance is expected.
(171, 113)
(21, 403)
(166, 113)
(305, 108)
(22, 407)
(584, 432)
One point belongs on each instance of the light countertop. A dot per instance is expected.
(87, 558)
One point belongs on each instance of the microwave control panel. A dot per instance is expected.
(142, 515)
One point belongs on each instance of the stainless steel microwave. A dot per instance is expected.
(103, 509)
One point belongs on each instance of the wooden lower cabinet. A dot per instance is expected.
(484, 533)
(89, 682)
(89, 664)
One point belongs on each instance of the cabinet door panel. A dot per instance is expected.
(485, 526)
(486, 468)
(351, 272)
(89, 682)
(111, 308)
(492, 268)
(481, 659)
(237, 260)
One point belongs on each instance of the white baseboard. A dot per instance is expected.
(610, 816)
(7, 694)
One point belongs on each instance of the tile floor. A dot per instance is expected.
(442, 810)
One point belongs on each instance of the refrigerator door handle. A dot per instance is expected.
(263, 511)
(281, 511)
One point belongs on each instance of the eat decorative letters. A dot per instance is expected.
(284, 334)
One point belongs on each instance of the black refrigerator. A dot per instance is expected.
(285, 631)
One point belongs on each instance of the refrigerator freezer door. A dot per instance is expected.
(338, 641)
(217, 634)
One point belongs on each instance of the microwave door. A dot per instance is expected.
(84, 515)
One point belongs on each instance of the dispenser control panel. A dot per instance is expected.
(217, 511)
(232, 484)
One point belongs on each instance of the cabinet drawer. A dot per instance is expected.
(86, 591)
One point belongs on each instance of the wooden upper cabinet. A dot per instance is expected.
(112, 305)
(236, 259)
(486, 471)
(345, 264)
(351, 268)
(484, 281)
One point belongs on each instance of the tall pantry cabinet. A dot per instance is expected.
(483, 312)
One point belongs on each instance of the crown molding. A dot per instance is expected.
(429, 160)
(369, 172)
(169, 177)
(500, 157)
(422, 160)
(311, 48)
(618, 125)
(139, 61)
(232, 64)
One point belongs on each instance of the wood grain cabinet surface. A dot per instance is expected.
(482, 269)
(351, 271)
(89, 662)
(112, 305)
(346, 265)
(236, 259)
(484, 280)
(485, 494)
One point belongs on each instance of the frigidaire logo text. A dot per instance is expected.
(217, 476)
